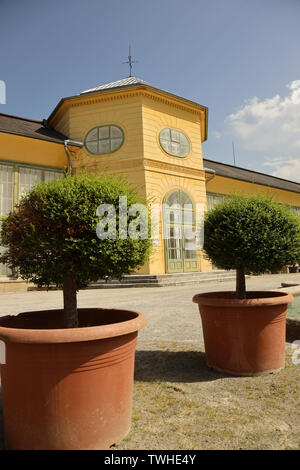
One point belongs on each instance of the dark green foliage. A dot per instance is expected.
(51, 236)
(253, 233)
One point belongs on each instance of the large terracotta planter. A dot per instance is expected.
(244, 337)
(68, 388)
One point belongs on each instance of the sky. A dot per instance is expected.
(240, 58)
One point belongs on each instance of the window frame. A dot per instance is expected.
(105, 138)
(215, 195)
(16, 185)
(180, 132)
(296, 209)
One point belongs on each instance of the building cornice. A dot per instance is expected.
(137, 91)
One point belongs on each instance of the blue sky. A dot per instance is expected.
(240, 58)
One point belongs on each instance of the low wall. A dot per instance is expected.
(13, 285)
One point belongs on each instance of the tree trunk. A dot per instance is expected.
(240, 284)
(70, 303)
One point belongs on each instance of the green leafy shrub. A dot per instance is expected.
(51, 236)
(251, 234)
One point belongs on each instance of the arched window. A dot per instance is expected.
(179, 232)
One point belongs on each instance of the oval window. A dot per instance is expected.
(104, 139)
(174, 142)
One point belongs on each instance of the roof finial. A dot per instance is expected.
(130, 61)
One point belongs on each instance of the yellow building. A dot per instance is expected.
(152, 137)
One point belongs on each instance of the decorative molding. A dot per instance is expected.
(170, 168)
(112, 165)
(169, 102)
(138, 93)
(139, 164)
(124, 94)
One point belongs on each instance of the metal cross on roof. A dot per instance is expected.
(130, 62)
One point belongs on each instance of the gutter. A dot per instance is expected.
(73, 143)
(210, 170)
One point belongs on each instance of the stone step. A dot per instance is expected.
(159, 280)
(145, 277)
(164, 277)
(165, 280)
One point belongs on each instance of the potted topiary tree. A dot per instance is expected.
(244, 332)
(68, 378)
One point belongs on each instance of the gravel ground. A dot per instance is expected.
(178, 402)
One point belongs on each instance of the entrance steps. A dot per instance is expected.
(162, 280)
(157, 280)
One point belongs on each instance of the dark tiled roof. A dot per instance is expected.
(29, 128)
(230, 171)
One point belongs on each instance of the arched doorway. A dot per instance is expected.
(179, 226)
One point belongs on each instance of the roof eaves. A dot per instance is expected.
(13, 116)
(253, 173)
(129, 86)
(51, 140)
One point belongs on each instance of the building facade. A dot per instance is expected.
(152, 137)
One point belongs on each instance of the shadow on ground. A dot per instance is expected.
(173, 366)
(292, 329)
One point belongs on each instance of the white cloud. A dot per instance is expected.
(271, 128)
(288, 169)
(216, 134)
(295, 87)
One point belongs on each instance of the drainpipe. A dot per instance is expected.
(74, 143)
(209, 170)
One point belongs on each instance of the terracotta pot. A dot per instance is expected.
(244, 337)
(68, 388)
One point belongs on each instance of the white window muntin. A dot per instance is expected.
(28, 177)
(104, 139)
(6, 189)
(174, 142)
(52, 175)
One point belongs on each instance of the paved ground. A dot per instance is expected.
(170, 312)
(179, 403)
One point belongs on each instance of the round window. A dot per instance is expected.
(104, 139)
(174, 142)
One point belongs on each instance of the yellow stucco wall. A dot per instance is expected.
(126, 113)
(164, 172)
(32, 151)
(142, 114)
(157, 116)
(222, 185)
(141, 159)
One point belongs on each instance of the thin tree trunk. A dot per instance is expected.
(240, 284)
(70, 303)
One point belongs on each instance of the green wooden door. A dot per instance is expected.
(179, 224)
